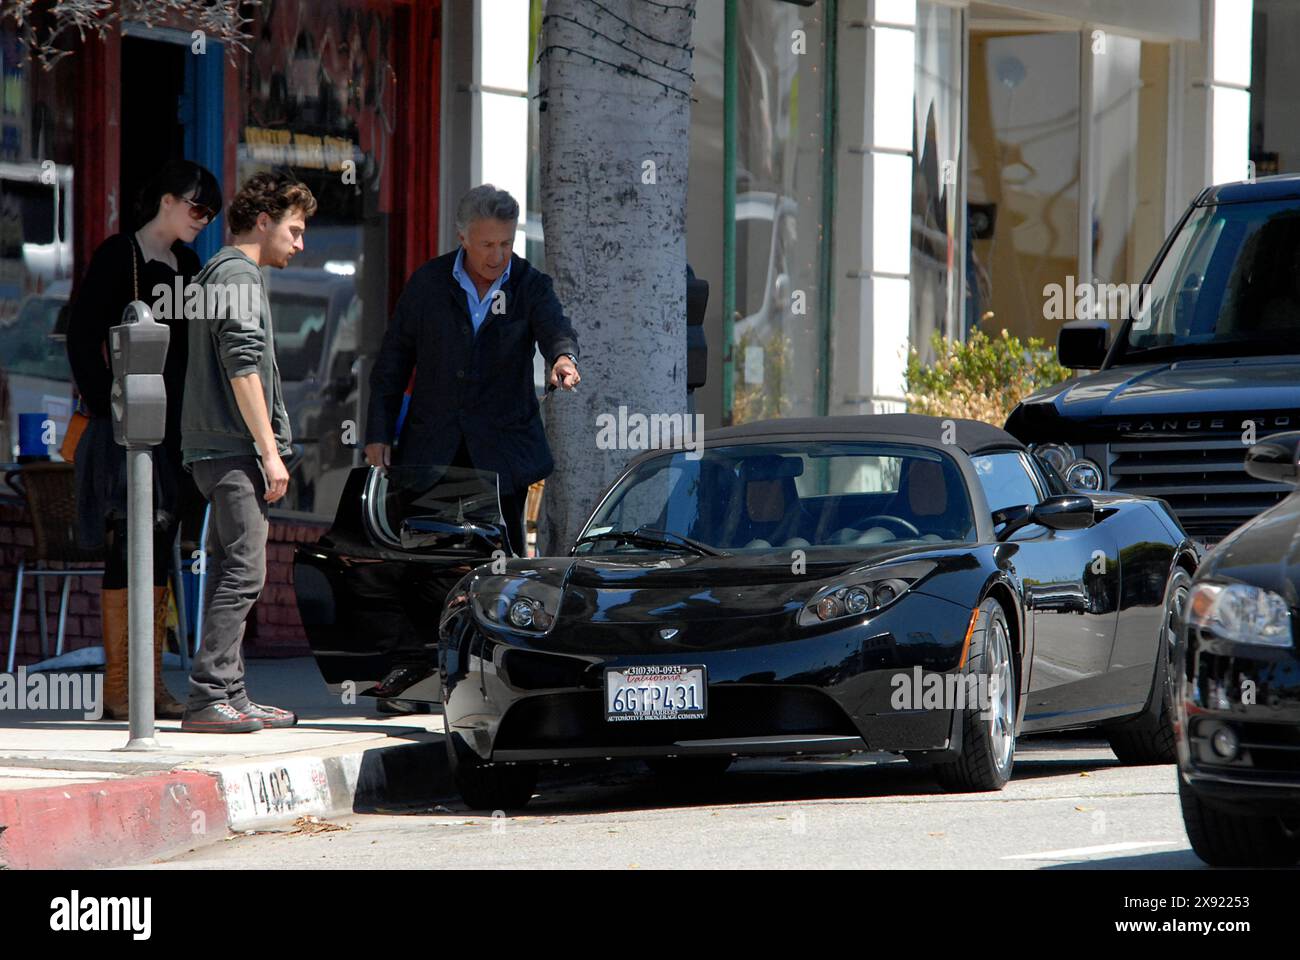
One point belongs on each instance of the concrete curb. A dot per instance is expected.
(275, 791)
(118, 822)
(110, 822)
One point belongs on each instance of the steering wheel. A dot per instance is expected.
(889, 518)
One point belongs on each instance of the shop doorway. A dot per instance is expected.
(171, 110)
(153, 83)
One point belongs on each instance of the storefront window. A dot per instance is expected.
(781, 56)
(36, 253)
(1274, 77)
(1130, 98)
(937, 158)
(1023, 209)
(319, 98)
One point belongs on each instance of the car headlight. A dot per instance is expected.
(1059, 455)
(868, 594)
(1083, 475)
(1240, 612)
(523, 604)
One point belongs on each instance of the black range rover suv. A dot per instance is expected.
(1208, 365)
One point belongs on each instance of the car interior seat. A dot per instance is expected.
(924, 500)
(766, 508)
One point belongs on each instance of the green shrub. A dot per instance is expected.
(980, 378)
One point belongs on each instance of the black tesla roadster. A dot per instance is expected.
(888, 583)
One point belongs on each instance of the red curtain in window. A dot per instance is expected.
(416, 169)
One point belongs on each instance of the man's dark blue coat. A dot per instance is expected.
(476, 386)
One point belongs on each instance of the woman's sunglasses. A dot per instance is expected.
(199, 211)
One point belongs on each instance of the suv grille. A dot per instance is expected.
(1203, 480)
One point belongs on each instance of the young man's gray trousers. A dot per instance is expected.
(235, 558)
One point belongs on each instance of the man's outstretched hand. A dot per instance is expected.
(379, 455)
(564, 374)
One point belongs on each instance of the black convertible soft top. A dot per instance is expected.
(970, 436)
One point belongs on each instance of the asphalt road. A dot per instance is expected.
(1070, 805)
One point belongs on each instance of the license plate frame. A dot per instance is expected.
(676, 683)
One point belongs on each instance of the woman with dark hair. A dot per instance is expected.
(173, 209)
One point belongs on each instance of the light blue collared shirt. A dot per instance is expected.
(478, 309)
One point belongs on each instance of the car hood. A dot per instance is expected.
(1180, 388)
(652, 585)
(1264, 552)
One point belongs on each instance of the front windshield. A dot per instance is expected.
(1229, 285)
(755, 497)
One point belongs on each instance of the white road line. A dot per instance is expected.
(1088, 851)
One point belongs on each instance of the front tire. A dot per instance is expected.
(988, 736)
(487, 786)
(1150, 738)
(1226, 839)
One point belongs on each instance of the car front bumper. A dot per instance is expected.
(834, 688)
(1253, 693)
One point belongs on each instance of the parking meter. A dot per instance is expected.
(138, 347)
(138, 400)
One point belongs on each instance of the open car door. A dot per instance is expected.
(370, 592)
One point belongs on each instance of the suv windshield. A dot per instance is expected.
(785, 495)
(1228, 286)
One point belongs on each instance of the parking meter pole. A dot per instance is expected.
(139, 519)
(138, 349)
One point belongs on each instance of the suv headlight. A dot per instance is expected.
(1059, 455)
(522, 604)
(1075, 469)
(1083, 475)
(867, 593)
(1240, 612)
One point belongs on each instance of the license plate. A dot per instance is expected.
(656, 692)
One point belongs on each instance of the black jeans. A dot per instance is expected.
(235, 558)
(512, 505)
(116, 562)
(407, 647)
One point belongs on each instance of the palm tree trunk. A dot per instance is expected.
(614, 90)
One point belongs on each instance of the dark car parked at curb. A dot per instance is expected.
(1208, 364)
(841, 584)
(1237, 683)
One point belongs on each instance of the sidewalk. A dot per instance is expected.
(69, 797)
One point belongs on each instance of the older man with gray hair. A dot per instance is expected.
(467, 323)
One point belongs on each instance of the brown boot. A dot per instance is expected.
(165, 706)
(112, 607)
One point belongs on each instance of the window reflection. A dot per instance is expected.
(778, 212)
(936, 151)
(36, 241)
(1024, 177)
(319, 97)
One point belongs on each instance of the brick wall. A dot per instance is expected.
(274, 630)
(83, 602)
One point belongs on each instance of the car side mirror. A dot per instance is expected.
(1069, 512)
(1082, 344)
(1274, 458)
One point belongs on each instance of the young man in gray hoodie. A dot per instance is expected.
(235, 438)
